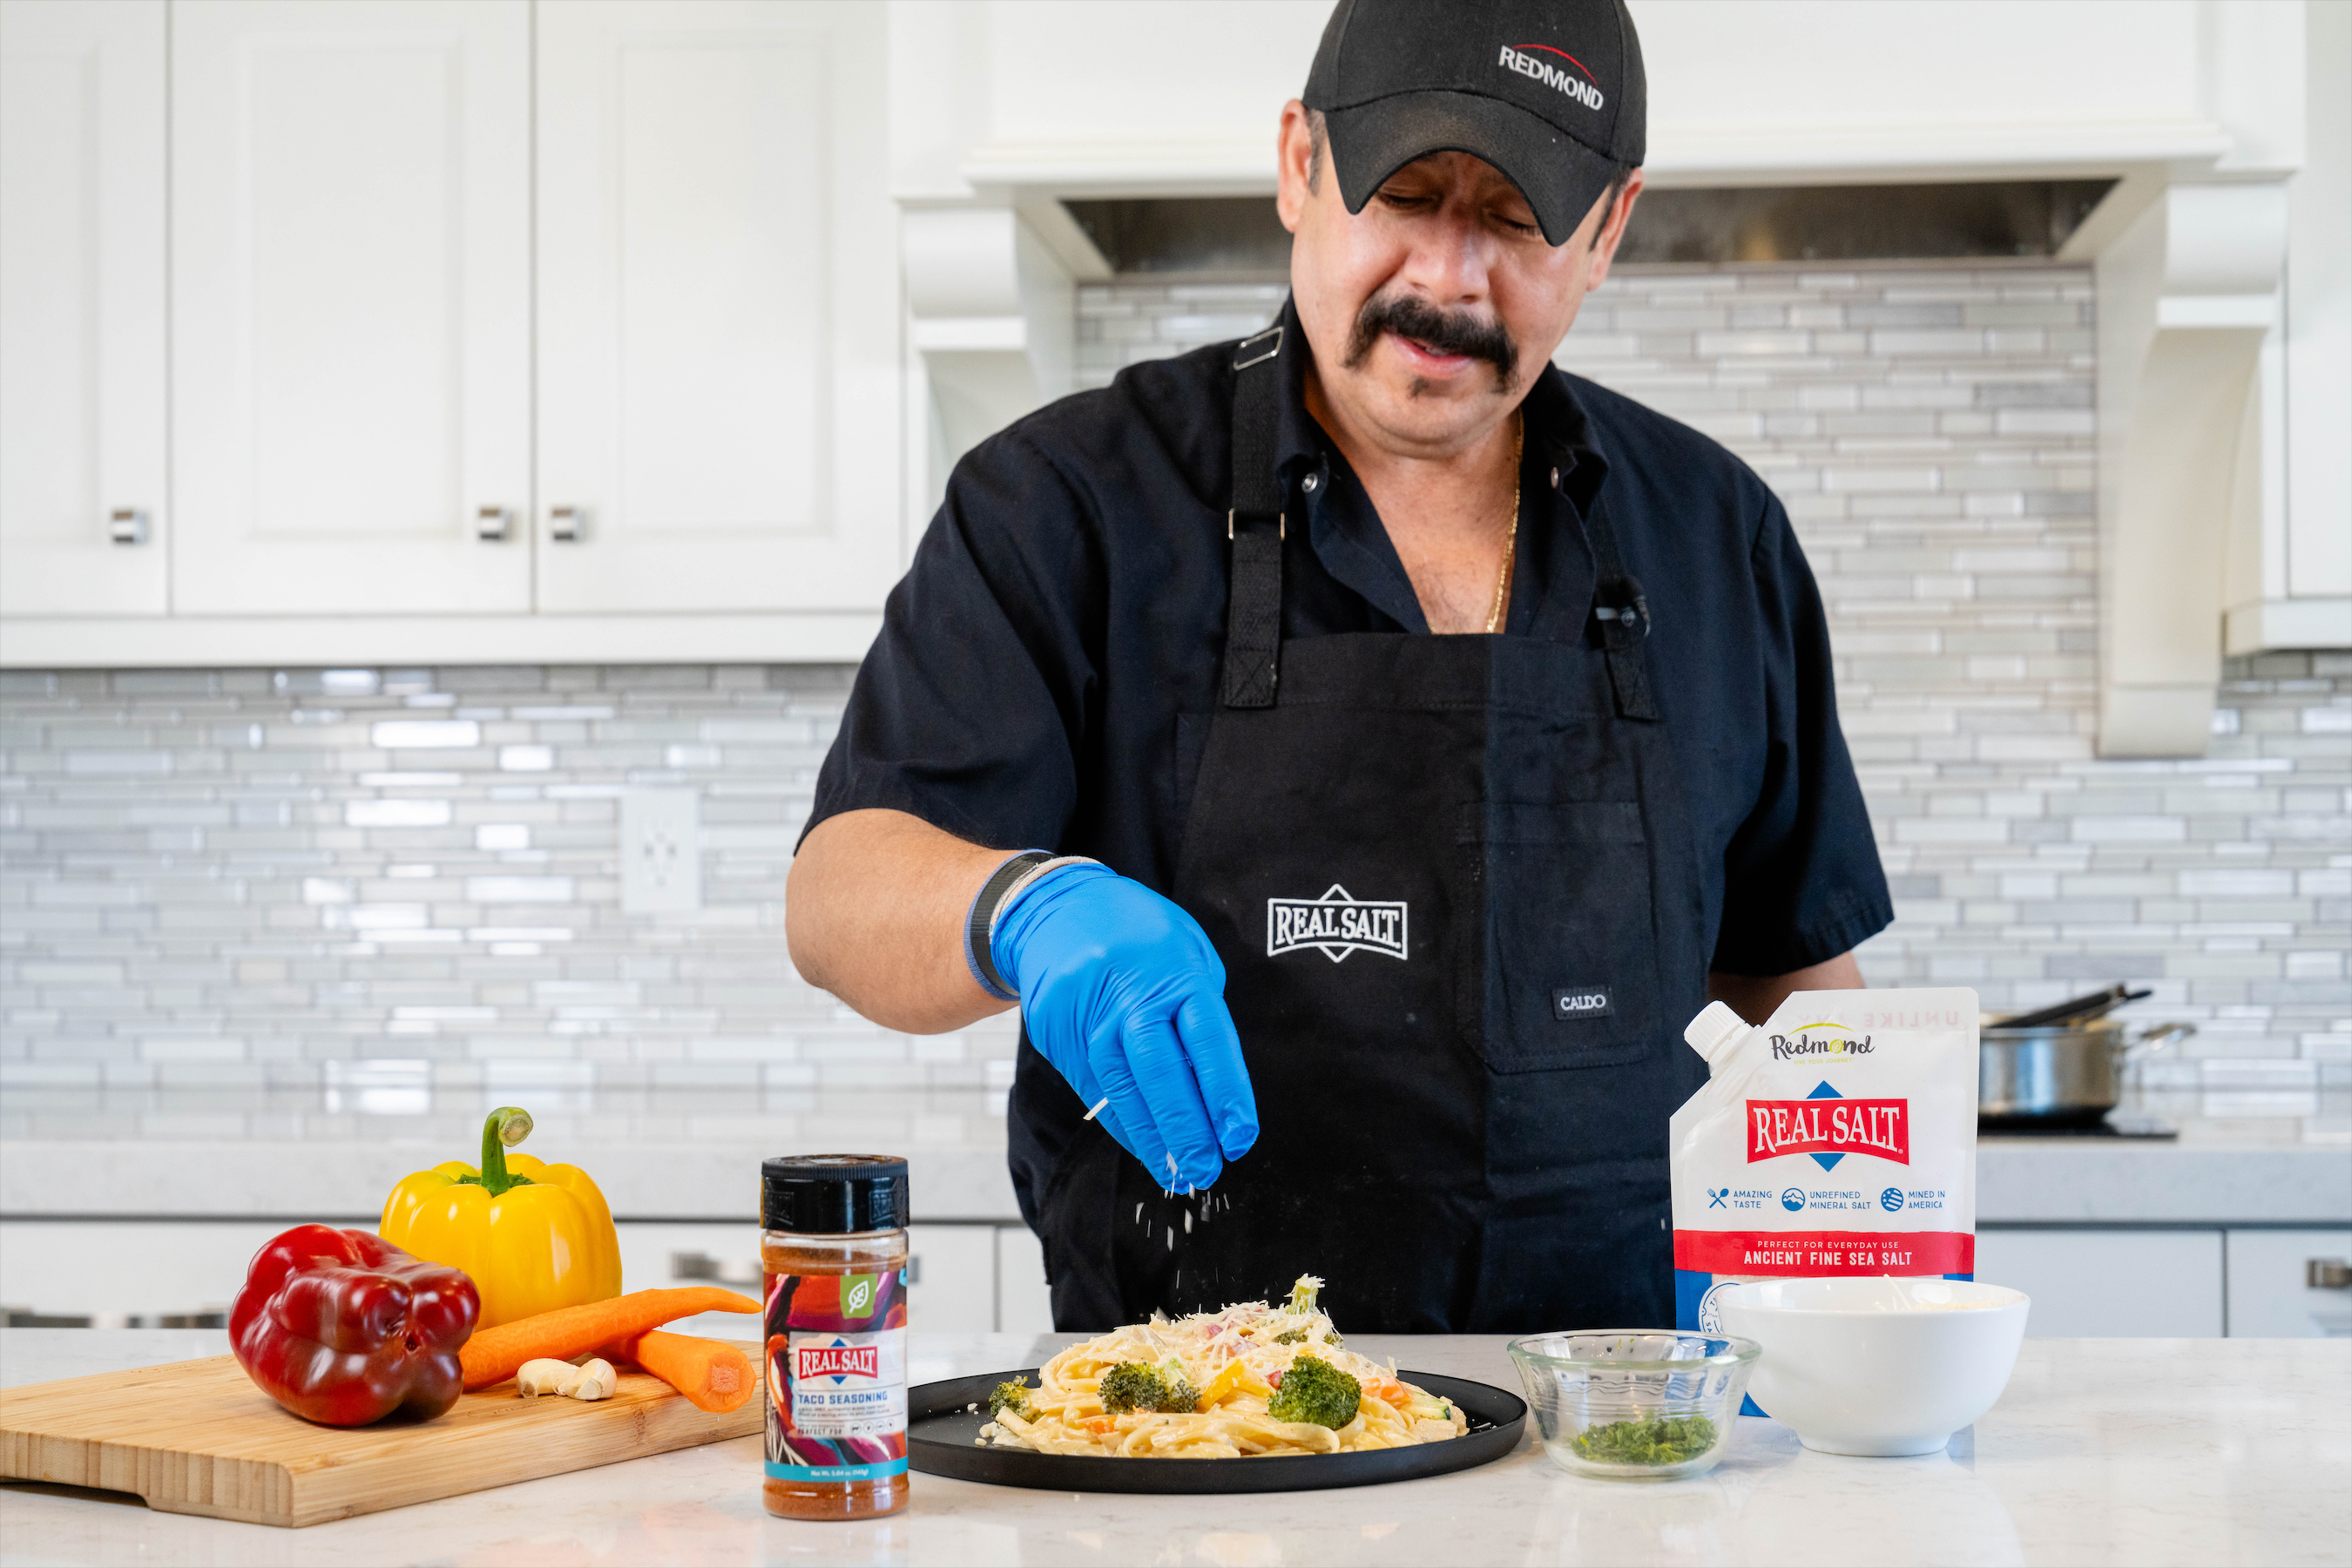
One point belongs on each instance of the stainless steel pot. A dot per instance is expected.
(2060, 1075)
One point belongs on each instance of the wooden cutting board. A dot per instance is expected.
(196, 1436)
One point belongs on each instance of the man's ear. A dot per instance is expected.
(1612, 230)
(1294, 152)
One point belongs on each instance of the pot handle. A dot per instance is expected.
(2154, 1038)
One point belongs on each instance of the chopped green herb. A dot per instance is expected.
(1661, 1440)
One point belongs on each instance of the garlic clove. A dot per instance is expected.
(595, 1381)
(546, 1375)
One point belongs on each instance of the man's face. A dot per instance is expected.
(1431, 311)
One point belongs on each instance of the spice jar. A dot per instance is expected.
(834, 1248)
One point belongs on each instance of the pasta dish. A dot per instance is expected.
(1251, 1379)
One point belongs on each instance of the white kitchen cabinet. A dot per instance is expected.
(2097, 1283)
(953, 1283)
(2271, 1293)
(115, 1270)
(82, 307)
(1023, 1304)
(717, 313)
(351, 305)
(652, 1252)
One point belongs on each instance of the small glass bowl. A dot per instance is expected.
(1635, 1405)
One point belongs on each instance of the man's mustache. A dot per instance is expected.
(1440, 331)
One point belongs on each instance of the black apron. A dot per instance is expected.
(1453, 887)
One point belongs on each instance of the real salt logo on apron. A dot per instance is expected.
(1838, 1139)
(1335, 925)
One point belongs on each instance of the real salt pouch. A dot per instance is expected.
(1839, 1138)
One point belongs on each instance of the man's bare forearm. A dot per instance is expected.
(1753, 996)
(874, 911)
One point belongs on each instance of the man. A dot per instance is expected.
(1377, 848)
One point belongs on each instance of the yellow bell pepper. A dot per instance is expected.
(1225, 1385)
(532, 1237)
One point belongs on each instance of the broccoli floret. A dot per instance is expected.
(1314, 1390)
(1132, 1385)
(1302, 1294)
(1012, 1396)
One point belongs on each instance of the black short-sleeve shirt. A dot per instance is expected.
(1046, 667)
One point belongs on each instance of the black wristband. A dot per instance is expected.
(982, 914)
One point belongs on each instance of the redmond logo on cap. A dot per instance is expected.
(1335, 925)
(1572, 77)
(1572, 1002)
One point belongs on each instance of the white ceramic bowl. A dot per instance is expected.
(1876, 1366)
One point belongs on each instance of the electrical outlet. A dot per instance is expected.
(661, 851)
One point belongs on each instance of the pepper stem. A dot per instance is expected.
(508, 1125)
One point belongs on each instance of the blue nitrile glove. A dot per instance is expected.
(1121, 991)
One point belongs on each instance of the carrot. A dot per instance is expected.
(712, 1375)
(496, 1354)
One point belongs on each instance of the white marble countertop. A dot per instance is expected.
(2138, 1451)
(694, 1156)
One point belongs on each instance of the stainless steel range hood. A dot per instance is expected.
(1708, 225)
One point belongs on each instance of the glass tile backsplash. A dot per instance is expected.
(375, 884)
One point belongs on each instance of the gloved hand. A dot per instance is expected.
(1121, 991)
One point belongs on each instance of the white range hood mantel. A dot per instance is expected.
(2224, 283)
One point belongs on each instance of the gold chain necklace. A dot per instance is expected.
(1511, 539)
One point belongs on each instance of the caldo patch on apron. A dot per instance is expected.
(1335, 925)
(1572, 1002)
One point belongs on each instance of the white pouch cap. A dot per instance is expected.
(1715, 1031)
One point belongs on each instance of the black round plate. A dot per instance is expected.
(943, 1439)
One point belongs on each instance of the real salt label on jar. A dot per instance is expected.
(1839, 1138)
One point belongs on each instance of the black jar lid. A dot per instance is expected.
(832, 1194)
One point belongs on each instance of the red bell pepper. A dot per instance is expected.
(342, 1329)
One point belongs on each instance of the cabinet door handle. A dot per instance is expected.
(127, 525)
(567, 524)
(702, 1265)
(492, 523)
(2327, 1274)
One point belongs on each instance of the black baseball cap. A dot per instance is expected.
(1548, 91)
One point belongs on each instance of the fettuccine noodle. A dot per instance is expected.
(1236, 1361)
